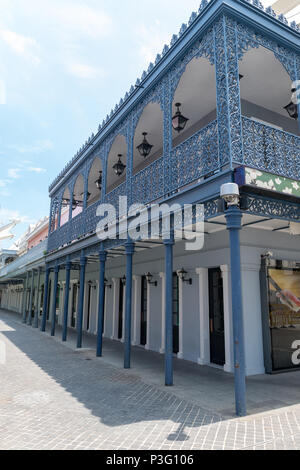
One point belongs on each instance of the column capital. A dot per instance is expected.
(136, 277)
(162, 275)
(201, 271)
(129, 246)
(234, 218)
(102, 256)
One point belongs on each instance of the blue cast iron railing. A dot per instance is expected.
(148, 184)
(265, 148)
(196, 157)
(269, 149)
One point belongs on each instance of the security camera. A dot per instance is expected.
(230, 192)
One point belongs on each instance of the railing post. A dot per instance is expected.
(102, 259)
(234, 225)
(81, 299)
(55, 286)
(36, 311)
(46, 296)
(228, 94)
(128, 312)
(24, 307)
(66, 301)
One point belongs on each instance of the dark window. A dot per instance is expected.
(144, 311)
(175, 314)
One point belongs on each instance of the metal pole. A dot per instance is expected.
(25, 298)
(46, 295)
(102, 259)
(29, 318)
(66, 301)
(169, 311)
(81, 300)
(129, 255)
(53, 316)
(234, 225)
(36, 313)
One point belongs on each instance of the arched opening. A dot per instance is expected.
(65, 207)
(116, 164)
(78, 197)
(196, 94)
(95, 182)
(266, 90)
(148, 148)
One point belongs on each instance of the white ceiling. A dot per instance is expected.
(266, 82)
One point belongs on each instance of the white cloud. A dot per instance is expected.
(36, 170)
(85, 71)
(81, 19)
(152, 40)
(14, 173)
(38, 147)
(23, 46)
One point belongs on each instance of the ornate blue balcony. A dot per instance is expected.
(219, 68)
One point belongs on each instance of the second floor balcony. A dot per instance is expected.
(209, 113)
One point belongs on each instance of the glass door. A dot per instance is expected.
(74, 305)
(216, 317)
(144, 312)
(121, 299)
(175, 314)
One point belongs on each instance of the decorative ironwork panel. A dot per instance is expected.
(228, 94)
(270, 149)
(113, 197)
(196, 157)
(148, 184)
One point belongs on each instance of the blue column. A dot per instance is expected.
(66, 302)
(234, 225)
(29, 316)
(81, 299)
(36, 311)
(46, 295)
(169, 311)
(25, 298)
(129, 256)
(102, 259)
(55, 286)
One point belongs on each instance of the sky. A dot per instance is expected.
(64, 64)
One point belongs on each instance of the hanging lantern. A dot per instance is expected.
(98, 182)
(179, 121)
(119, 167)
(145, 148)
(292, 107)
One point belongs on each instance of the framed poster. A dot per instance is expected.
(283, 303)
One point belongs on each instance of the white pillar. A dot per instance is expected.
(137, 311)
(228, 327)
(163, 313)
(181, 325)
(204, 357)
(115, 307)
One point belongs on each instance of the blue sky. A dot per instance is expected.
(64, 64)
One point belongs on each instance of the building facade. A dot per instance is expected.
(217, 107)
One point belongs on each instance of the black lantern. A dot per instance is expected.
(181, 274)
(98, 182)
(145, 148)
(149, 278)
(179, 121)
(292, 107)
(119, 167)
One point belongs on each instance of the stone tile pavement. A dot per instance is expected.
(52, 397)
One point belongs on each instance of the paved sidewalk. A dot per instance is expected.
(53, 397)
